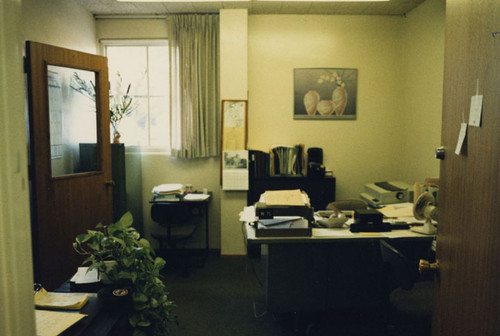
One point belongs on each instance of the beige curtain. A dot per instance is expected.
(194, 68)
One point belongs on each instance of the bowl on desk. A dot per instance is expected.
(330, 218)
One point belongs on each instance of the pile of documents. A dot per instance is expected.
(168, 192)
(285, 198)
(49, 323)
(283, 213)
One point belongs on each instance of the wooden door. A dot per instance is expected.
(468, 245)
(70, 164)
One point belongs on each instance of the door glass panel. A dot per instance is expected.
(72, 120)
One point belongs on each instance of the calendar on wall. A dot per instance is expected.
(234, 160)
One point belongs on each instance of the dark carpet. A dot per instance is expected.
(224, 297)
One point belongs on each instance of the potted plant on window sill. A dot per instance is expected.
(135, 269)
(120, 104)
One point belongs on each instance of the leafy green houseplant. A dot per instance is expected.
(136, 269)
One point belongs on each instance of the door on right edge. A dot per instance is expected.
(467, 300)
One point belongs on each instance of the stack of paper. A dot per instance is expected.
(66, 301)
(285, 197)
(168, 192)
(168, 189)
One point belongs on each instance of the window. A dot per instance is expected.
(144, 66)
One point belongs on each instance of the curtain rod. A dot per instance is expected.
(144, 17)
(132, 16)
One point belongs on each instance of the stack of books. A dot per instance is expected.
(168, 192)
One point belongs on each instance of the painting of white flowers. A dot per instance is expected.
(325, 93)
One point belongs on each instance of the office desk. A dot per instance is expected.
(198, 207)
(334, 269)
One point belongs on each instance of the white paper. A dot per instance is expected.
(461, 138)
(83, 275)
(50, 323)
(342, 232)
(248, 214)
(476, 106)
(196, 197)
(397, 210)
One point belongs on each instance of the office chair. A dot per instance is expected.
(410, 301)
(173, 226)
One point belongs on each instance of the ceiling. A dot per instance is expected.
(115, 8)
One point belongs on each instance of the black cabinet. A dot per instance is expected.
(119, 179)
(88, 162)
(321, 190)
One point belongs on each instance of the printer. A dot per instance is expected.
(379, 194)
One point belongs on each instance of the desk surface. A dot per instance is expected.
(323, 234)
(328, 235)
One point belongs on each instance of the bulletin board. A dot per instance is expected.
(234, 125)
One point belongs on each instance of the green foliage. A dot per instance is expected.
(136, 269)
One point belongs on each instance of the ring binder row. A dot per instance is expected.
(287, 160)
(280, 161)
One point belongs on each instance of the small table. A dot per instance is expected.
(198, 204)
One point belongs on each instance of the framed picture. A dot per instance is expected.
(326, 93)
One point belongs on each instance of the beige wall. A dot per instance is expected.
(422, 72)
(16, 272)
(158, 167)
(358, 151)
(393, 55)
(56, 22)
(399, 62)
(233, 85)
(131, 28)
(60, 23)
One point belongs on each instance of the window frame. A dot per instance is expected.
(104, 44)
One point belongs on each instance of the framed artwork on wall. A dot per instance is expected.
(325, 93)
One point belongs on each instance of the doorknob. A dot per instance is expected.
(109, 183)
(440, 153)
(427, 269)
